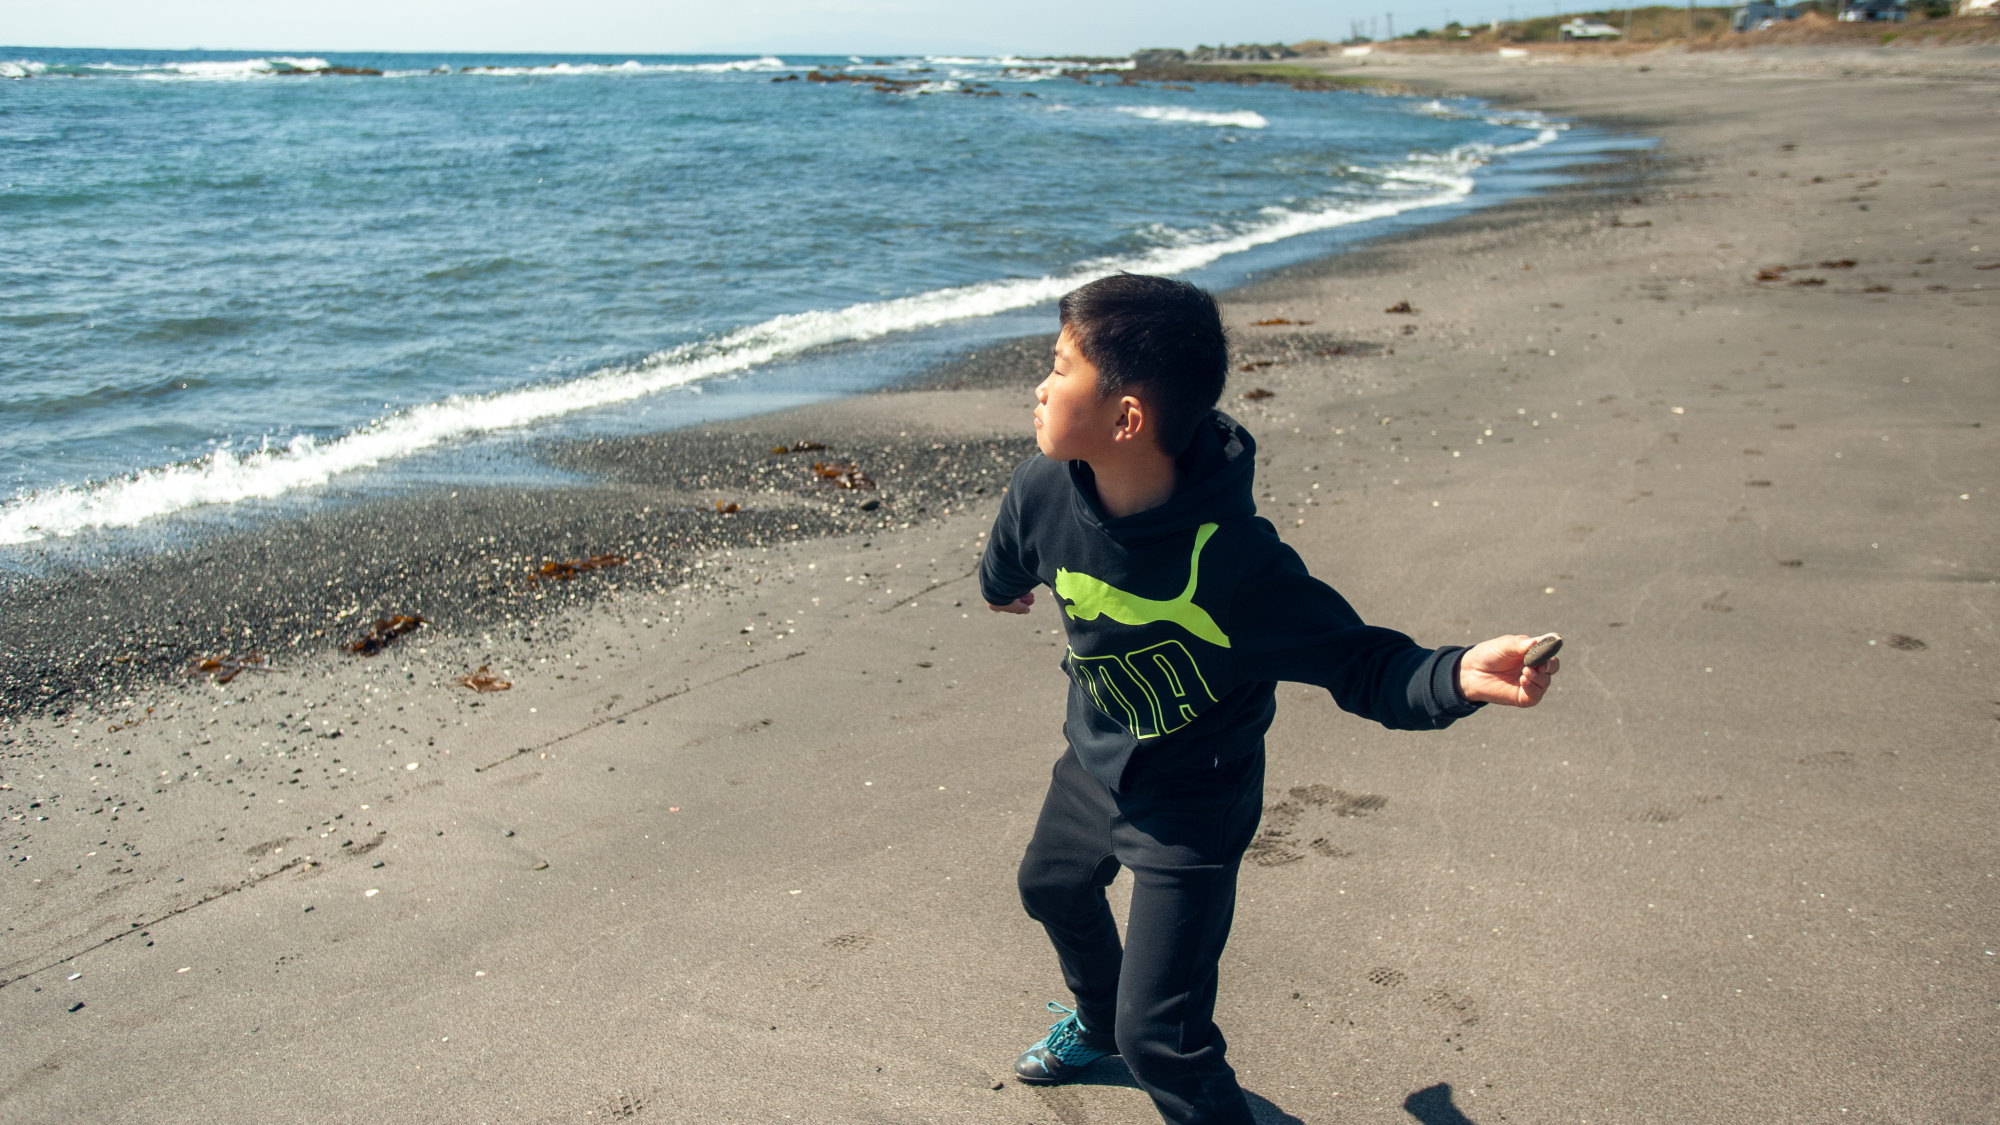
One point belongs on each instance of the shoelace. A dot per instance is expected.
(1064, 1041)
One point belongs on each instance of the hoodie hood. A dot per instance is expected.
(1217, 472)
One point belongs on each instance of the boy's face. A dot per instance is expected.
(1072, 421)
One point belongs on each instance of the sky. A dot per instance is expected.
(650, 27)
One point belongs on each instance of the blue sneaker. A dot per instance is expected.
(1064, 1051)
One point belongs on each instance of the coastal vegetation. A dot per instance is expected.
(1930, 23)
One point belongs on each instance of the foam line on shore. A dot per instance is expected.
(276, 468)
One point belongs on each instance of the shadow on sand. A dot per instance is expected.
(1113, 1072)
(1432, 1106)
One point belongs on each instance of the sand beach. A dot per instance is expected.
(738, 843)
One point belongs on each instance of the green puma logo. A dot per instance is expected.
(1091, 597)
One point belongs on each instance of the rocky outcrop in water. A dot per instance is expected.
(1246, 52)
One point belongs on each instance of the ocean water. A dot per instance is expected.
(235, 282)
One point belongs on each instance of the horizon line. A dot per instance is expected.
(752, 52)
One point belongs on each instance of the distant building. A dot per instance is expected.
(1756, 16)
(1581, 28)
(1874, 11)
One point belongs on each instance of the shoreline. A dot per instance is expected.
(294, 589)
(618, 370)
(769, 833)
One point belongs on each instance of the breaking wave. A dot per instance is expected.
(276, 66)
(633, 67)
(1240, 119)
(275, 468)
(285, 464)
(219, 70)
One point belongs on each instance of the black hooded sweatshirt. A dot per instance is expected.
(1182, 618)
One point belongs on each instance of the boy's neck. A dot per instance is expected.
(1136, 481)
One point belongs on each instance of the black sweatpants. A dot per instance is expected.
(1182, 837)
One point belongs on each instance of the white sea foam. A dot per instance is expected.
(243, 69)
(1417, 177)
(1021, 61)
(276, 468)
(634, 67)
(1508, 119)
(767, 62)
(1240, 119)
(210, 70)
(1523, 119)
(1480, 152)
(223, 70)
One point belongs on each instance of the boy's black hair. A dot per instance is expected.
(1157, 333)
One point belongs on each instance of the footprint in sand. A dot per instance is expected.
(622, 1104)
(1673, 811)
(1279, 841)
(1829, 759)
(1462, 1010)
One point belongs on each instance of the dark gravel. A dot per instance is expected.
(463, 557)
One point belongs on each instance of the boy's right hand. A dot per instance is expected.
(1496, 671)
(1018, 605)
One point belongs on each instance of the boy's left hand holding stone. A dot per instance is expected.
(1495, 672)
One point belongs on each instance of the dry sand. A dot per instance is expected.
(739, 844)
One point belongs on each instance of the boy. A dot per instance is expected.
(1182, 609)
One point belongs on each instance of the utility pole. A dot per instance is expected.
(1690, 19)
(1389, 22)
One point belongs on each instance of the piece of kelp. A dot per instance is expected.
(386, 630)
(484, 680)
(564, 571)
(843, 476)
(225, 668)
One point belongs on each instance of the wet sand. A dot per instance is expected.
(738, 844)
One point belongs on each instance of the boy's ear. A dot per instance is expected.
(1132, 421)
